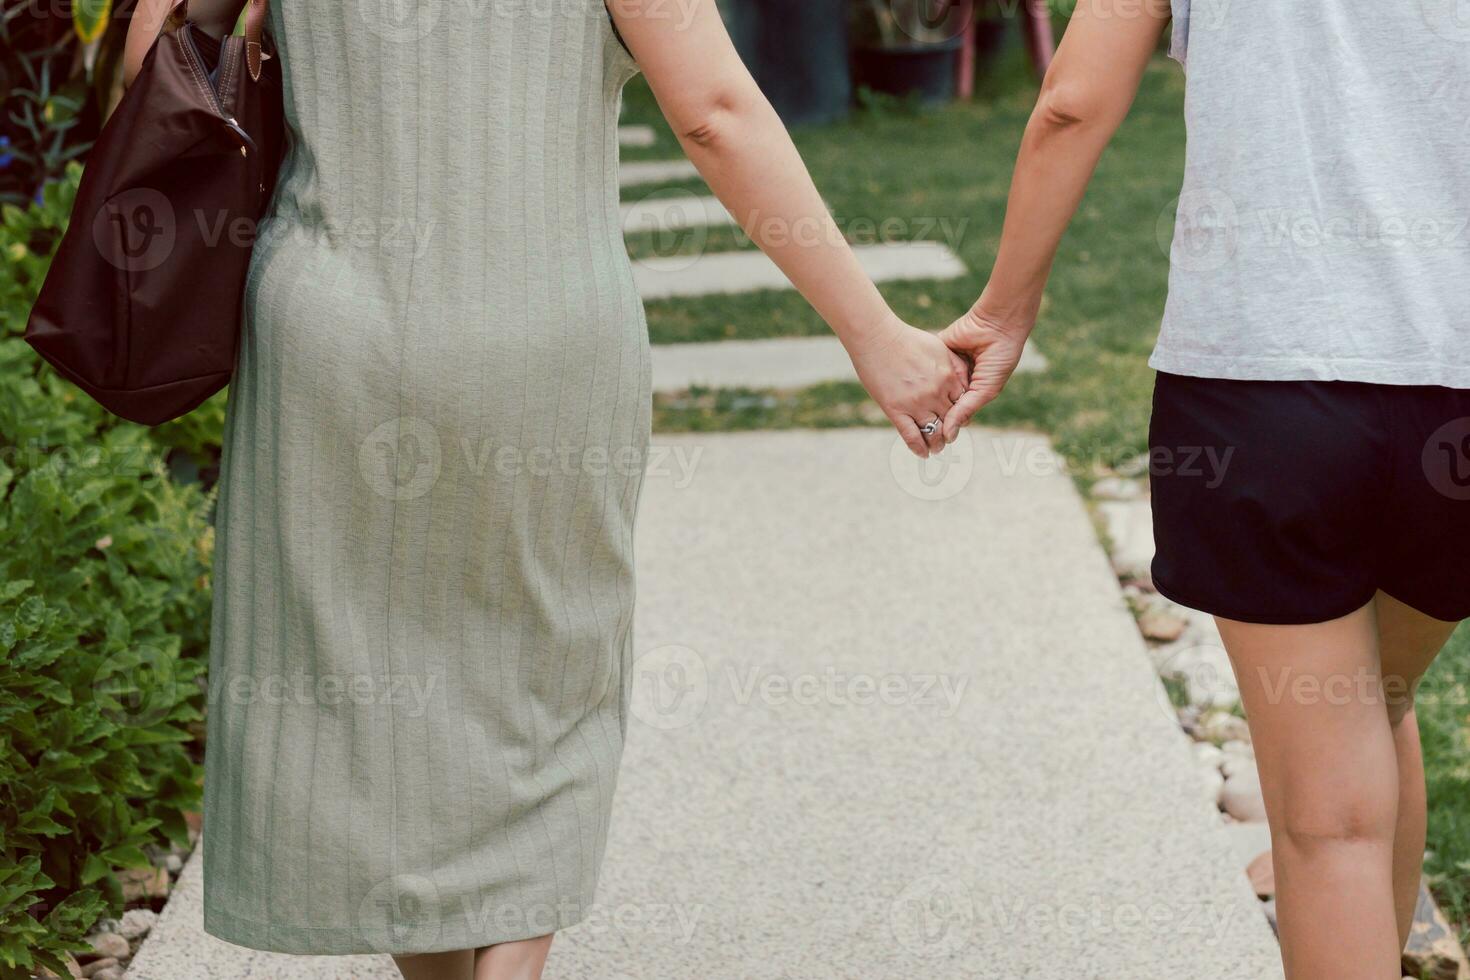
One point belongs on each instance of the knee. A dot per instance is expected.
(1340, 820)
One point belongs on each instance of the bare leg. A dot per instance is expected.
(522, 960)
(1409, 641)
(456, 965)
(1329, 773)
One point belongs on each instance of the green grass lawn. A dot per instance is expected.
(944, 174)
(1444, 720)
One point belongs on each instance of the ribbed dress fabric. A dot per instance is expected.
(433, 454)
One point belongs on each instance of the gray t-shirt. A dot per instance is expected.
(1323, 231)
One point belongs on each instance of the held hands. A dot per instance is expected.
(992, 346)
(915, 379)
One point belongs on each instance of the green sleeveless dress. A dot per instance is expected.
(433, 454)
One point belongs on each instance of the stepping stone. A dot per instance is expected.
(639, 136)
(740, 272)
(783, 362)
(674, 212)
(635, 172)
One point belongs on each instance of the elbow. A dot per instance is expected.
(715, 122)
(1063, 106)
(706, 134)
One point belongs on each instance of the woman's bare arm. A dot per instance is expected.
(1086, 95)
(216, 17)
(738, 143)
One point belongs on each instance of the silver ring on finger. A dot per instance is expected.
(929, 428)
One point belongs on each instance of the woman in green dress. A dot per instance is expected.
(419, 667)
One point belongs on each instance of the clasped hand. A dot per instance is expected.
(930, 385)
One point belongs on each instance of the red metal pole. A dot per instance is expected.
(1039, 39)
(965, 87)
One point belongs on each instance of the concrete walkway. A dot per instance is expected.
(890, 720)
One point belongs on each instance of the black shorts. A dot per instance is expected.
(1284, 502)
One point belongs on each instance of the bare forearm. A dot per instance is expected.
(750, 163)
(1055, 165)
(1087, 94)
(732, 134)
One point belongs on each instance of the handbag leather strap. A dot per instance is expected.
(256, 12)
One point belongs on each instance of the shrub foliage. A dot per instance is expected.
(104, 603)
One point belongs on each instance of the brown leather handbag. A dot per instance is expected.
(142, 305)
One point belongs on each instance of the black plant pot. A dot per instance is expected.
(927, 70)
(797, 51)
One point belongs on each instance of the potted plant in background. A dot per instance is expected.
(797, 52)
(909, 47)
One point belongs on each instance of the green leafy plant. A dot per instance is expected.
(104, 611)
(101, 608)
(59, 77)
(29, 235)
